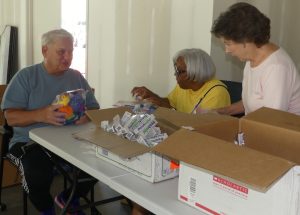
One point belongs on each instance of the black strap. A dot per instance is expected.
(217, 85)
(200, 100)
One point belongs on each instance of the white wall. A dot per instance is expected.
(290, 34)
(228, 68)
(32, 17)
(19, 13)
(9, 15)
(131, 43)
(46, 16)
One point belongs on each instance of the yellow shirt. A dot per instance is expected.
(186, 100)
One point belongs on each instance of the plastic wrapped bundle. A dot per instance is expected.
(73, 102)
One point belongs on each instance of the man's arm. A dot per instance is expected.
(48, 114)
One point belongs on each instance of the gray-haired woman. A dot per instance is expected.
(196, 89)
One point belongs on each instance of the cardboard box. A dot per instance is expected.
(135, 157)
(260, 177)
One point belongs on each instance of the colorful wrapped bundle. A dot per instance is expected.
(73, 104)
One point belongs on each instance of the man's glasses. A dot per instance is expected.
(177, 71)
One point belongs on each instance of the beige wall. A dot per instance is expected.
(19, 13)
(290, 35)
(32, 17)
(45, 16)
(131, 42)
(9, 15)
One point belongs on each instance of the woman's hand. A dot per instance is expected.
(142, 93)
(161, 102)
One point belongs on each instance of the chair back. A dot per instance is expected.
(4, 127)
(235, 90)
(7, 133)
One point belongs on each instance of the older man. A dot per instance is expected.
(27, 104)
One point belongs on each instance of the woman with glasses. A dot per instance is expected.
(196, 90)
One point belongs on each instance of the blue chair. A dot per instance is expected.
(235, 91)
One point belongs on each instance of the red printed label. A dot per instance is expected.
(230, 184)
(207, 209)
(183, 198)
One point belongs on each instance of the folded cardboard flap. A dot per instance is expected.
(167, 126)
(225, 130)
(275, 118)
(271, 137)
(111, 142)
(168, 120)
(274, 132)
(186, 119)
(256, 169)
(266, 132)
(96, 116)
(210, 123)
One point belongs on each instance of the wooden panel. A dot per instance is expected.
(11, 175)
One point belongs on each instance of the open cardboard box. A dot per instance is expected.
(135, 157)
(260, 177)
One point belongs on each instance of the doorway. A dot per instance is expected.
(73, 19)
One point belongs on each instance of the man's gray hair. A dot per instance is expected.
(199, 65)
(50, 36)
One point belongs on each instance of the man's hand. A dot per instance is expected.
(50, 115)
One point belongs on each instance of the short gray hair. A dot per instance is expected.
(199, 64)
(50, 36)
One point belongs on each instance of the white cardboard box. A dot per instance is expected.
(216, 195)
(134, 157)
(262, 176)
(149, 166)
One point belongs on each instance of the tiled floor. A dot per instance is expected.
(12, 197)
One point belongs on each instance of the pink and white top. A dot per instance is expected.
(275, 83)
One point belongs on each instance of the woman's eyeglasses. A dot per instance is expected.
(177, 71)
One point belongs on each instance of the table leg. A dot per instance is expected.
(74, 185)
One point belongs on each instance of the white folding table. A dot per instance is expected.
(159, 198)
